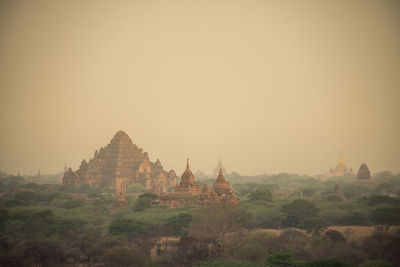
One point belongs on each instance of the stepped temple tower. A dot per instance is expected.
(188, 192)
(363, 173)
(121, 162)
(340, 170)
(364, 177)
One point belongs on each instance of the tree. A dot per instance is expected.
(280, 259)
(335, 236)
(309, 192)
(143, 203)
(144, 235)
(39, 253)
(68, 228)
(127, 255)
(211, 231)
(85, 188)
(136, 188)
(260, 195)
(298, 210)
(228, 263)
(382, 199)
(37, 224)
(178, 223)
(325, 263)
(128, 227)
(383, 245)
(66, 188)
(389, 216)
(117, 251)
(74, 203)
(82, 248)
(96, 250)
(255, 246)
(294, 241)
(377, 263)
(4, 217)
(149, 195)
(313, 225)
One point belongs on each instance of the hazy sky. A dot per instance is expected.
(267, 86)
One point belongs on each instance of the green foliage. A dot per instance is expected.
(325, 263)
(228, 263)
(309, 191)
(383, 245)
(352, 191)
(313, 225)
(86, 233)
(178, 223)
(298, 210)
(85, 188)
(72, 204)
(279, 259)
(143, 203)
(136, 188)
(38, 252)
(67, 188)
(26, 198)
(12, 180)
(245, 189)
(36, 224)
(377, 263)
(4, 218)
(335, 236)
(389, 216)
(346, 217)
(255, 246)
(388, 183)
(126, 255)
(128, 227)
(149, 195)
(260, 195)
(71, 225)
(382, 199)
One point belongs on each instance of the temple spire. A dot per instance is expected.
(187, 164)
(220, 172)
(341, 157)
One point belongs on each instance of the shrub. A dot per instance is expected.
(260, 195)
(280, 259)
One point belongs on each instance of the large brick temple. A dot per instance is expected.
(119, 164)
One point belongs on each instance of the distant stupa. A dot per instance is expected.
(121, 201)
(337, 193)
(340, 170)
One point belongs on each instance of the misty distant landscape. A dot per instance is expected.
(199, 133)
(281, 220)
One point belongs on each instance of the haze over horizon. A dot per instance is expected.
(267, 86)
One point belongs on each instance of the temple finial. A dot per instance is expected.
(187, 164)
(220, 172)
(341, 160)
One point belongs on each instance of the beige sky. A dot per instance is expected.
(267, 86)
